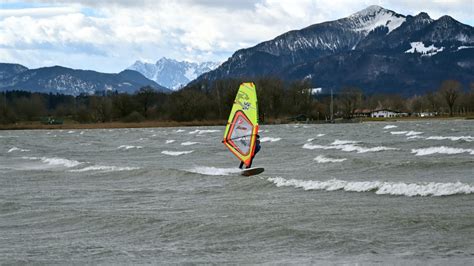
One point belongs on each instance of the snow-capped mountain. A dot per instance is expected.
(376, 49)
(64, 80)
(171, 73)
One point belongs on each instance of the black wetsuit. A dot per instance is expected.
(257, 149)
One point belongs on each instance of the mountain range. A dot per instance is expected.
(171, 73)
(375, 49)
(69, 81)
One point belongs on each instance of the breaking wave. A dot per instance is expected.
(347, 147)
(176, 153)
(188, 143)
(203, 131)
(406, 133)
(380, 188)
(206, 170)
(128, 147)
(441, 150)
(344, 142)
(104, 168)
(453, 138)
(17, 149)
(55, 161)
(323, 159)
(269, 139)
(389, 126)
(170, 141)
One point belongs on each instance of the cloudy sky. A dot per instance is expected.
(109, 36)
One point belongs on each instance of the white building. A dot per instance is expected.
(386, 113)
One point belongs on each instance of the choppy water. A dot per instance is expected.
(356, 193)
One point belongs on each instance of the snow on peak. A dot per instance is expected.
(171, 73)
(375, 16)
(419, 47)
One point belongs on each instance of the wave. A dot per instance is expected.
(206, 170)
(348, 148)
(406, 133)
(179, 130)
(104, 168)
(203, 131)
(269, 139)
(323, 159)
(170, 141)
(343, 142)
(440, 150)
(389, 126)
(176, 153)
(188, 143)
(379, 187)
(453, 138)
(17, 149)
(128, 147)
(55, 161)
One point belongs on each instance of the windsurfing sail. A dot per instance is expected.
(242, 126)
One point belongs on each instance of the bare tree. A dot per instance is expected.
(450, 91)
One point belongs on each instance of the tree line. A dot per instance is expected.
(204, 101)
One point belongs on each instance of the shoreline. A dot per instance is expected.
(36, 125)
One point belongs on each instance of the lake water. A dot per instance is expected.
(399, 192)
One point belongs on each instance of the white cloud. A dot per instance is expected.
(110, 35)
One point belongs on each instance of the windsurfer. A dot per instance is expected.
(257, 149)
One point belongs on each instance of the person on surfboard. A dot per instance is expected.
(257, 149)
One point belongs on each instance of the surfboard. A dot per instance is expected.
(252, 171)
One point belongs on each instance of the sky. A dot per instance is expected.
(109, 36)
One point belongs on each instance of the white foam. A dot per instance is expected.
(441, 150)
(343, 142)
(170, 141)
(399, 132)
(71, 131)
(203, 131)
(176, 153)
(379, 187)
(320, 135)
(128, 147)
(389, 126)
(413, 133)
(347, 148)
(55, 161)
(269, 139)
(309, 140)
(323, 159)
(179, 130)
(104, 168)
(453, 138)
(206, 170)
(17, 149)
(188, 143)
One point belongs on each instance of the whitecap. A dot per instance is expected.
(389, 126)
(176, 153)
(399, 132)
(343, 142)
(441, 150)
(379, 187)
(189, 143)
(452, 138)
(179, 130)
(104, 168)
(348, 148)
(206, 170)
(170, 141)
(323, 159)
(203, 131)
(128, 147)
(54, 161)
(269, 139)
(17, 149)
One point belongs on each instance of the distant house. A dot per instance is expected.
(387, 113)
(425, 114)
(362, 113)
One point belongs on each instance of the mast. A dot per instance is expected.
(332, 109)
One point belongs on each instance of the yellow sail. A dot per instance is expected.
(242, 126)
